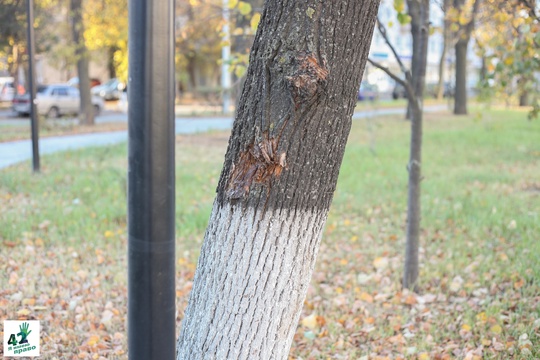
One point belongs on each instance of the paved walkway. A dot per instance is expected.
(18, 151)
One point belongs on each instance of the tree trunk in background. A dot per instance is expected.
(410, 274)
(460, 100)
(524, 99)
(279, 176)
(111, 68)
(419, 12)
(446, 41)
(461, 47)
(87, 111)
(191, 68)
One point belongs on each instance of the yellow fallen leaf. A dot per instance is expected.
(423, 356)
(92, 340)
(108, 234)
(466, 327)
(30, 302)
(481, 317)
(310, 321)
(496, 329)
(23, 312)
(366, 297)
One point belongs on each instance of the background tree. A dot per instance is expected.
(13, 32)
(106, 31)
(87, 111)
(198, 44)
(447, 40)
(414, 83)
(508, 42)
(463, 15)
(278, 179)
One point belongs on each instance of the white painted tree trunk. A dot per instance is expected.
(265, 284)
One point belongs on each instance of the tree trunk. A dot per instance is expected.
(419, 12)
(278, 179)
(87, 111)
(460, 101)
(410, 276)
(191, 68)
(524, 98)
(111, 64)
(440, 83)
(442, 61)
(461, 47)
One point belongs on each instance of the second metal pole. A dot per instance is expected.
(32, 84)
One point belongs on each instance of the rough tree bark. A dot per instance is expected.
(87, 111)
(279, 176)
(461, 47)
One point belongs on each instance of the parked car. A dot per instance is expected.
(7, 89)
(110, 90)
(54, 101)
(368, 91)
(399, 92)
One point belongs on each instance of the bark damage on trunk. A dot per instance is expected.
(279, 176)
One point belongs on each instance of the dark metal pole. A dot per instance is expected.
(32, 84)
(151, 220)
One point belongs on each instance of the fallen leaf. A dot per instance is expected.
(310, 321)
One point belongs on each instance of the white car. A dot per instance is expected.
(54, 101)
(7, 89)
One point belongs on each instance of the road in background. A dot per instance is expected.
(17, 151)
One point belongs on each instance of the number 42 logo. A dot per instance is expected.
(24, 332)
(21, 338)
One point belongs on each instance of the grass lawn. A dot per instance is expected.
(63, 244)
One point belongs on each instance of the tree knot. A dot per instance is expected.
(308, 78)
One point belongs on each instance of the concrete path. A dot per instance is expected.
(18, 151)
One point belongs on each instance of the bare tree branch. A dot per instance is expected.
(382, 31)
(405, 83)
(388, 72)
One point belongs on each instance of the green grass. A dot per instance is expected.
(63, 237)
